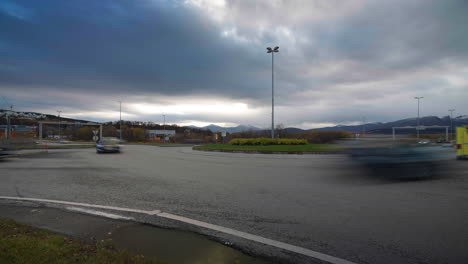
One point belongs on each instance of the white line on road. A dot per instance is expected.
(154, 212)
(274, 243)
(98, 213)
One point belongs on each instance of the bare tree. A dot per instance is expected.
(281, 131)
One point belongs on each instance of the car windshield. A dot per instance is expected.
(110, 141)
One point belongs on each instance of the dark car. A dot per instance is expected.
(5, 153)
(108, 145)
(399, 159)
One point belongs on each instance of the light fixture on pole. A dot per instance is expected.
(272, 51)
(451, 124)
(417, 128)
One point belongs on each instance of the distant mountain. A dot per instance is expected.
(380, 128)
(239, 128)
(294, 130)
(386, 128)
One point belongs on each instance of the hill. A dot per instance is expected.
(236, 129)
(386, 128)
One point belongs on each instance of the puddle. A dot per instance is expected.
(177, 246)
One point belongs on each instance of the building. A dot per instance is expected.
(160, 135)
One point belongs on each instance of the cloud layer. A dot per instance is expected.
(205, 61)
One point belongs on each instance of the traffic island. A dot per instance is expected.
(272, 149)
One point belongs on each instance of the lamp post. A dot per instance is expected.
(451, 124)
(120, 121)
(272, 51)
(164, 127)
(59, 111)
(417, 128)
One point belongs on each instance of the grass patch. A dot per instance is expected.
(270, 148)
(21, 243)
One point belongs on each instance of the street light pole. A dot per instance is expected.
(417, 128)
(164, 127)
(59, 111)
(120, 122)
(451, 124)
(272, 51)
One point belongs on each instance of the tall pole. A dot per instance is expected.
(417, 128)
(272, 96)
(59, 111)
(451, 123)
(8, 134)
(120, 129)
(164, 127)
(272, 51)
(8, 131)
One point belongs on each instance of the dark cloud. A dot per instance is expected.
(121, 45)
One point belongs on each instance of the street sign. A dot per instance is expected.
(95, 138)
(223, 134)
(95, 132)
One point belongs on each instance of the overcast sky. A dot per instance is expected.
(204, 61)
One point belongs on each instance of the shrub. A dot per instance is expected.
(267, 141)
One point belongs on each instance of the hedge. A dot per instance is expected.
(267, 141)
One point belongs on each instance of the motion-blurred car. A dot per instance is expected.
(108, 145)
(5, 153)
(401, 159)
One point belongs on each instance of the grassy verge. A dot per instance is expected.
(24, 244)
(270, 148)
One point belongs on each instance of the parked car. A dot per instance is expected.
(108, 145)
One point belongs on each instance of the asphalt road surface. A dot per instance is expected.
(319, 202)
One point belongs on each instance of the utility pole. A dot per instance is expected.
(417, 128)
(7, 116)
(8, 135)
(8, 132)
(164, 127)
(59, 111)
(272, 51)
(451, 123)
(120, 122)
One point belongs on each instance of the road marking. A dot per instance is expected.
(122, 209)
(251, 237)
(98, 213)
(274, 243)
